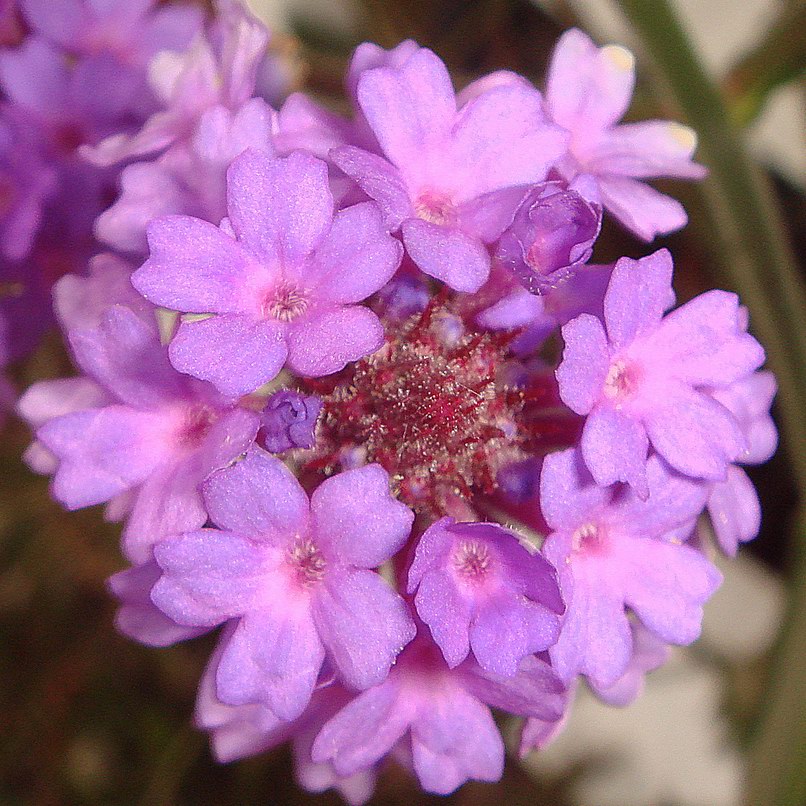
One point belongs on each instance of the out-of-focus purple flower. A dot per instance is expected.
(239, 731)
(26, 182)
(188, 179)
(151, 430)
(218, 69)
(81, 301)
(588, 90)
(449, 179)
(613, 550)
(11, 26)
(297, 576)
(62, 98)
(138, 617)
(282, 279)
(442, 716)
(733, 504)
(132, 30)
(648, 654)
(581, 291)
(477, 587)
(288, 421)
(551, 235)
(405, 295)
(642, 378)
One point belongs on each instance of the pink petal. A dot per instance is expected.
(280, 208)
(168, 502)
(501, 139)
(701, 342)
(258, 497)
(637, 295)
(363, 624)
(735, 510)
(693, 433)
(528, 628)
(103, 452)
(324, 344)
(138, 617)
(586, 360)
(365, 730)
(410, 108)
(640, 208)
(667, 587)
(587, 89)
(125, 356)
(454, 740)
(210, 576)
(235, 353)
(274, 657)
(646, 150)
(379, 180)
(359, 496)
(568, 495)
(357, 257)
(194, 267)
(458, 260)
(447, 613)
(615, 448)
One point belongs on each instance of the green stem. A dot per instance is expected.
(751, 249)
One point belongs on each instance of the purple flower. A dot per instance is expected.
(733, 503)
(588, 90)
(289, 421)
(239, 731)
(442, 716)
(282, 278)
(81, 301)
(643, 378)
(132, 30)
(135, 425)
(138, 617)
(614, 550)
(648, 653)
(551, 235)
(62, 98)
(581, 291)
(188, 179)
(218, 69)
(479, 588)
(26, 182)
(296, 574)
(449, 178)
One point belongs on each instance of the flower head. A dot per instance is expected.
(281, 278)
(297, 576)
(642, 378)
(478, 587)
(588, 91)
(449, 178)
(614, 550)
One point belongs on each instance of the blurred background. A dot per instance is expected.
(87, 717)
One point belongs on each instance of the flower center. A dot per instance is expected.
(429, 408)
(472, 560)
(196, 424)
(587, 539)
(435, 208)
(306, 561)
(285, 303)
(621, 381)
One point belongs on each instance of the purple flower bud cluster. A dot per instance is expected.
(315, 380)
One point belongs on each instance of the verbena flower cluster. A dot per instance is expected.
(354, 387)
